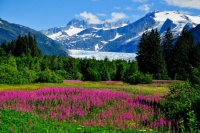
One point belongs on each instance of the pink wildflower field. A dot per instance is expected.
(89, 107)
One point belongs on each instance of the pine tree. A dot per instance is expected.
(4, 46)
(142, 52)
(167, 47)
(11, 47)
(182, 52)
(121, 68)
(19, 47)
(35, 49)
(150, 57)
(3, 49)
(195, 56)
(24, 45)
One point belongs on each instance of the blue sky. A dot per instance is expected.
(43, 14)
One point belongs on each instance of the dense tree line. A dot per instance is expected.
(21, 62)
(174, 59)
(28, 69)
(23, 45)
(168, 59)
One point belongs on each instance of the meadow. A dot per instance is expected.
(75, 106)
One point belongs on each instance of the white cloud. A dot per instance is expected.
(101, 14)
(141, 1)
(144, 7)
(117, 7)
(115, 16)
(91, 18)
(128, 8)
(184, 3)
(185, 12)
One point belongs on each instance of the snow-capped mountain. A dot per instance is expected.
(121, 36)
(75, 26)
(175, 20)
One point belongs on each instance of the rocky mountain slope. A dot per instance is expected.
(121, 36)
(9, 31)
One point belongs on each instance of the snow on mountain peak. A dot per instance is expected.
(76, 26)
(163, 16)
(116, 37)
(176, 17)
(119, 36)
(73, 30)
(178, 21)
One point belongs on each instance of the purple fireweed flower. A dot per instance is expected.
(128, 116)
(88, 107)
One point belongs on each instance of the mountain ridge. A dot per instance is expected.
(10, 31)
(124, 37)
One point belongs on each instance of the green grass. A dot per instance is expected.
(18, 122)
(134, 89)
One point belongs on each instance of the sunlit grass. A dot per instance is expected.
(22, 122)
(134, 89)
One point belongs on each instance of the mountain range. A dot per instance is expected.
(10, 31)
(120, 36)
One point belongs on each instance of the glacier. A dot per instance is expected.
(86, 54)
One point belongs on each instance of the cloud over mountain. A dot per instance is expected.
(144, 7)
(93, 19)
(184, 3)
(115, 16)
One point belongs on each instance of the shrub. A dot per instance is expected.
(181, 99)
(194, 77)
(64, 74)
(92, 75)
(139, 78)
(27, 76)
(8, 74)
(49, 77)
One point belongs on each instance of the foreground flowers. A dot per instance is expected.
(89, 107)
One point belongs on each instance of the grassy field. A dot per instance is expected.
(108, 106)
(117, 86)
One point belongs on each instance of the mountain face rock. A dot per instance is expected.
(9, 31)
(120, 36)
(167, 24)
(196, 33)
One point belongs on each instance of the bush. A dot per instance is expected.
(92, 75)
(194, 77)
(8, 74)
(49, 76)
(64, 74)
(139, 78)
(181, 99)
(27, 76)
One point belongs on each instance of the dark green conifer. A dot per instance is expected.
(167, 47)
(150, 56)
(181, 55)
